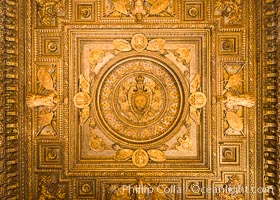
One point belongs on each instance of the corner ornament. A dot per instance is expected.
(48, 10)
(82, 100)
(96, 143)
(50, 190)
(231, 10)
(184, 143)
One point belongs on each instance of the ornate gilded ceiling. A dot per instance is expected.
(138, 99)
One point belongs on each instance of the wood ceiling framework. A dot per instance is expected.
(100, 95)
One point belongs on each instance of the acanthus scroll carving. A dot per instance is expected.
(139, 9)
(50, 189)
(183, 55)
(184, 143)
(48, 10)
(96, 143)
(231, 10)
(138, 42)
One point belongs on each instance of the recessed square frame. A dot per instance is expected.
(77, 163)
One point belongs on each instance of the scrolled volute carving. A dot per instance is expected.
(183, 55)
(184, 143)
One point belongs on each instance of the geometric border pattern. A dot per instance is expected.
(271, 94)
(9, 94)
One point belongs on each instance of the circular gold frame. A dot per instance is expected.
(169, 67)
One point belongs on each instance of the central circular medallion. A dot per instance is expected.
(139, 100)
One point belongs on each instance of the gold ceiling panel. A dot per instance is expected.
(138, 99)
(138, 94)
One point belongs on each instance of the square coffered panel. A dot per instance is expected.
(142, 94)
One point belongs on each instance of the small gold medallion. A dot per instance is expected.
(197, 100)
(139, 42)
(82, 100)
(140, 158)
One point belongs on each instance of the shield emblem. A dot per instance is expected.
(140, 103)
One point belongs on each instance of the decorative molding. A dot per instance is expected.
(278, 97)
(10, 93)
(86, 188)
(271, 71)
(9, 186)
(85, 12)
(194, 11)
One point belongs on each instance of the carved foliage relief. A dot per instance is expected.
(157, 94)
(139, 101)
(139, 9)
